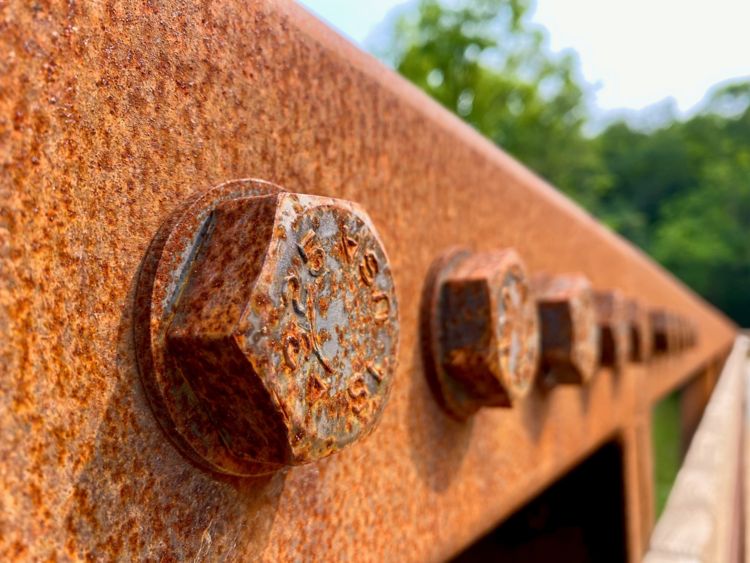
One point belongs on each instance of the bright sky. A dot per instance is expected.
(637, 52)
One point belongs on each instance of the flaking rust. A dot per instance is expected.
(480, 330)
(569, 329)
(273, 328)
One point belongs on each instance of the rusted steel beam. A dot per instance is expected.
(113, 115)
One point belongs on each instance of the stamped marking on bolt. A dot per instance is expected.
(348, 244)
(382, 306)
(368, 269)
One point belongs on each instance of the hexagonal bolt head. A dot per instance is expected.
(569, 329)
(615, 333)
(481, 331)
(641, 335)
(677, 326)
(286, 326)
(691, 333)
(665, 336)
(684, 333)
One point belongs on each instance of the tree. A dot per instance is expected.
(647, 169)
(486, 62)
(683, 193)
(680, 191)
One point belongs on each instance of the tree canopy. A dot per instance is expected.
(681, 192)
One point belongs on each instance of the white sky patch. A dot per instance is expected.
(636, 52)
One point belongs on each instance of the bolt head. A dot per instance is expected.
(679, 329)
(639, 326)
(286, 328)
(661, 336)
(614, 326)
(570, 334)
(483, 339)
(692, 333)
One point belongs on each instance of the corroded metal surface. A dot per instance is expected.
(267, 327)
(481, 335)
(112, 114)
(678, 328)
(569, 328)
(684, 332)
(615, 328)
(692, 334)
(639, 327)
(672, 332)
(662, 337)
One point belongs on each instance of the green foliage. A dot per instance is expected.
(682, 192)
(665, 434)
(484, 61)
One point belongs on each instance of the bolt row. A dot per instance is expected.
(266, 328)
(490, 329)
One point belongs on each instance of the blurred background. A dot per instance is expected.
(639, 111)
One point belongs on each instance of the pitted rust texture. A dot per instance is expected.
(568, 326)
(481, 330)
(615, 329)
(639, 327)
(273, 330)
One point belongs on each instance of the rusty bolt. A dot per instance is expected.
(569, 330)
(639, 326)
(662, 336)
(677, 325)
(685, 332)
(480, 330)
(689, 333)
(675, 328)
(692, 333)
(659, 331)
(284, 327)
(613, 322)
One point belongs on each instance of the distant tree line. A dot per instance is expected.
(680, 191)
